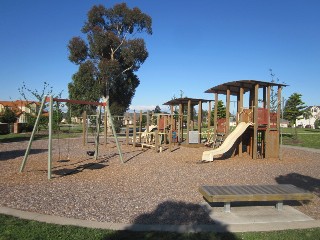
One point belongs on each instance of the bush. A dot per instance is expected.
(8, 116)
(317, 124)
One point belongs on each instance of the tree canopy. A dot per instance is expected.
(157, 109)
(293, 108)
(111, 54)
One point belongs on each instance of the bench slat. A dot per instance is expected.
(254, 193)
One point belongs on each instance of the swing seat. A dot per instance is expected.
(90, 153)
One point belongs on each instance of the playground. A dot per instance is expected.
(148, 188)
(151, 173)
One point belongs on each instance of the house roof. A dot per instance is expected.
(177, 101)
(236, 85)
(17, 104)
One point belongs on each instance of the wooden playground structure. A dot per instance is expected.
(260, 136)
(257, 132)
(257, 129)
(158, 130)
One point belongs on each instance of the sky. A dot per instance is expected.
(195, 45)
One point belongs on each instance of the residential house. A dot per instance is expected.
(284, 123)
(21, 108)
(308, 122)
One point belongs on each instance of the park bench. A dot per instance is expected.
(254, 193)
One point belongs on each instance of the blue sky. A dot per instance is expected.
(195, 45)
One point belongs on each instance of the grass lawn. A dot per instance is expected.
(304, 137)
(65, 132)
(15, 228)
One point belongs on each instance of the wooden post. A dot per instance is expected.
(148, 122)
(127, 132)
(114, 132)
(180, 134)
(165, 129)
(84, 127)
(215, 119)
(105, 125)
(134, 129)
(209, 115)
(156, 136)
(199, 120)
(240, 109)
(96, 141)
(171, 128)
(278, 120)
(50, 137)
(192, 117)
(228, 111)
(255, 121)
(127, 128)
(279, 109)
(140, 126)
(188, 120)
(35, 127)
(267, 136)
(264, 97)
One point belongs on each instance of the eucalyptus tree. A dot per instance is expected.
(111, 46)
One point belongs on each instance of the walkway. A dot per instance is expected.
(219, 227)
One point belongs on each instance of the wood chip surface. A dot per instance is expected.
(149, 188)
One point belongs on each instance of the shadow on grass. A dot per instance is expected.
(175, 220)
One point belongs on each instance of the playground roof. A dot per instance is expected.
(246, 84)
(177, 101)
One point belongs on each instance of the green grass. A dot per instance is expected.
(64, 132)
(304, 138)
(15, 228)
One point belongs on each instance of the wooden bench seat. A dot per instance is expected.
(252, 193)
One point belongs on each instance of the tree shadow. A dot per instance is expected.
(176, 220)
(305, 182)
(9, 155)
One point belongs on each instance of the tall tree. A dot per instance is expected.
(221, 111)
(114, 51)
(157, 109)
(293, 108)
(84, 86)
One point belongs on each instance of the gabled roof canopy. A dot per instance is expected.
(177, 101)
(236, 85)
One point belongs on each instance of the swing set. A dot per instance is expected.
(50, 100)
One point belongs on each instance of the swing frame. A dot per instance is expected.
(50, 99)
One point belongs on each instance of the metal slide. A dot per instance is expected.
(207, 156)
